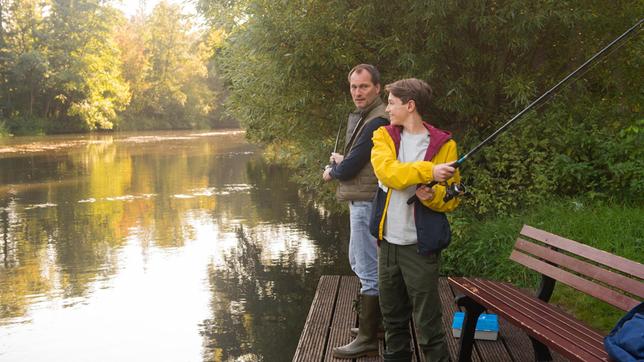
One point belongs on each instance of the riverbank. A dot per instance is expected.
(36, 144)
(481, 248)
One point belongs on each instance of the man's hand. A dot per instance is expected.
(336, 158)
(443, 171)
(425, 193)
(326, 175)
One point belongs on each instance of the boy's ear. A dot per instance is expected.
(411, 106)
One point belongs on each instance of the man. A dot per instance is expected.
(408, 153)
(358, 185)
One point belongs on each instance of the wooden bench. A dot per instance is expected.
(610, 278)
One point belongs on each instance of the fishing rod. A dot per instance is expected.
(455, 190)
(335, 148)
(337, 138)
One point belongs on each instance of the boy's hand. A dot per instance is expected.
(443, 171)
(425, 193)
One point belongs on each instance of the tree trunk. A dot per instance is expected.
(47, 105)
(1, 24)
(31, 101)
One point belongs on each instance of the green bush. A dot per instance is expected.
(4, 130)
(602, 160)
(516, 171)
(26, 125)
(572, 147)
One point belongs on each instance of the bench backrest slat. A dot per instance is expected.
(613, 279)
(596, 290)
(613, 261)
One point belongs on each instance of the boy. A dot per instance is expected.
(405, 154)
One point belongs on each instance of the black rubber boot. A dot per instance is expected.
(366, 341)
(381, 332)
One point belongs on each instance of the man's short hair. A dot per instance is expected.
(373, 71)
(412, 89)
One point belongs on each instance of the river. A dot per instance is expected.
(159, 246)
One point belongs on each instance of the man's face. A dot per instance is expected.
(363, 91)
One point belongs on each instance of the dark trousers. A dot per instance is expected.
(408, 284)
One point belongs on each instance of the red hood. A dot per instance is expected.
(437, 138)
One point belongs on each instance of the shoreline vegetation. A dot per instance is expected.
(82, 66)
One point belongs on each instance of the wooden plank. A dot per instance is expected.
(313, 339)
(516, 342)
(344, 317)
(331, 316)
(492, 350)
(449, 307)
(598, 291)
(553, 319)
(483, 350)
(528, 319)
(613, 279)
(613, 261)
(537, 331)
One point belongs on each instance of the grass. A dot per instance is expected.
(481, 248)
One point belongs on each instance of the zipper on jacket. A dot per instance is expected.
(381, 226)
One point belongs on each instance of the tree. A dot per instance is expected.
(28, 75)
(86, 84)
(131, 38)
(165, 63)
(60, 66)
(23, 65)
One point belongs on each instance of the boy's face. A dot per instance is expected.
(398, 112)
(363, 91)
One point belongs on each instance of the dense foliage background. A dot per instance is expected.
(77, 66)
(286, 63)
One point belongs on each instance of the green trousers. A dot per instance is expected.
(408, 284)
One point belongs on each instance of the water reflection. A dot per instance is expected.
(159, 246)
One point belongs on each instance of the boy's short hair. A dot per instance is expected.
(375, 74)
(412, 89)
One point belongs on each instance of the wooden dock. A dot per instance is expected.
(331, 317)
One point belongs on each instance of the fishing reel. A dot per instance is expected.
(328, 165)
(451, 191)
(455, 190)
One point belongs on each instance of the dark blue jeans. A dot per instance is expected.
(363, 249)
